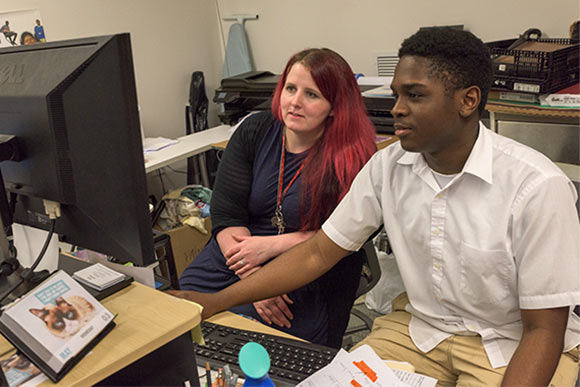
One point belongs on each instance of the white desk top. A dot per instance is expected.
(188, 146)
(571, 170)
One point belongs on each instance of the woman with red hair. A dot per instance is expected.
(282, 174)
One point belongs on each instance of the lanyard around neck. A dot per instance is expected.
(278, 218)
(282, 193)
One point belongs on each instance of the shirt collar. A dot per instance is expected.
(479, 163)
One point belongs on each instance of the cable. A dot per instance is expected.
(12, 207)
(161, 180)
(27, 273)
(175, 170)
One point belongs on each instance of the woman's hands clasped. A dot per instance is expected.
(275, 310)
(249, 252)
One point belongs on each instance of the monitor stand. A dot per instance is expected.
(10, 270)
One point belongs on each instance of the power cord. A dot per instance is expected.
(27, 274)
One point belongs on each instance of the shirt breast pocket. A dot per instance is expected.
(484, 274)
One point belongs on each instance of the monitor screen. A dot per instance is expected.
(73, 107)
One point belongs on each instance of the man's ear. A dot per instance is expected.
(469, 100)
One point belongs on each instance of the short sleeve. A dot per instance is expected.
(546, 245)
(359, 213)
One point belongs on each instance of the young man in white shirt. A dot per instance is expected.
(485, 232)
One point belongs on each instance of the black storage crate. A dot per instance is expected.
(531, 71)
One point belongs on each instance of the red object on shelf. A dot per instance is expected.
(574, 89)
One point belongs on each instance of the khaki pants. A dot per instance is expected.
(456, 361)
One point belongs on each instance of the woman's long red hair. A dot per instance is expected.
(348, 139)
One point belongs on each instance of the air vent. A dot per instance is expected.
(386, 64)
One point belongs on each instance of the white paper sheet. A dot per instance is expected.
(560, 100)
(152, 144)
(364, 368)
(143, 275)
(415, 380)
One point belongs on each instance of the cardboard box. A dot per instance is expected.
(186, 243)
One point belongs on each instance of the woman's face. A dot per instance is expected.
(304, 108)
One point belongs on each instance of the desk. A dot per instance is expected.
(147, 320)
(233, 320)
(188, 146)
(554, 132)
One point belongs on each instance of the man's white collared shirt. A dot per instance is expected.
(502, 235)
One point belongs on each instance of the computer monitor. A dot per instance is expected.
(72, 106)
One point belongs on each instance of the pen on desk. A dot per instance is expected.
(207, 374)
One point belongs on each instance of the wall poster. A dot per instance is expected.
(21, 28)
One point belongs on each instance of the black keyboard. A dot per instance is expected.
(291, 360)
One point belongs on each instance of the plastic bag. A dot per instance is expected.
(390, 285)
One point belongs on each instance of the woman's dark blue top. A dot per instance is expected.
(208, 272)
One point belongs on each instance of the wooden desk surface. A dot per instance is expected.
(233, 320)
(531, 110)
(146, 320)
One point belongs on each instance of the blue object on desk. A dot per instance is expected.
(255, 364)
(158, 284)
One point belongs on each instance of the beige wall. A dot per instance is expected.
(360, 28)
(170, 40)
(173, 38)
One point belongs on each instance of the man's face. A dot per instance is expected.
(426, 117)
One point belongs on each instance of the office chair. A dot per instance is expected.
(370, 275)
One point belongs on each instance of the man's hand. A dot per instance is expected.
(204, 299)
(247, 253)
(275, 310)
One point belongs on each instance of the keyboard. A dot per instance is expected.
(291, 361)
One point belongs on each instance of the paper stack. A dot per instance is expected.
(98, 276)
(363, 368)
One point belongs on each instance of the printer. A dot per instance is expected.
(252, 91)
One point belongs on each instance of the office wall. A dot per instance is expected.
(170, 40)
(358, 29)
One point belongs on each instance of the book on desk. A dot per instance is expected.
(55, 324)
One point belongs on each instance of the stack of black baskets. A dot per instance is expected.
(534, 65)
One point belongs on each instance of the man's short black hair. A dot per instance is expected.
(458, 58)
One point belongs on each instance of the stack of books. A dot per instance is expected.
(568, 98)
